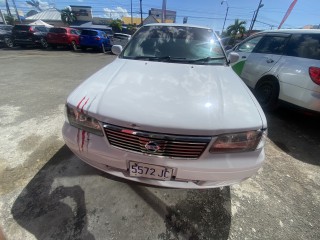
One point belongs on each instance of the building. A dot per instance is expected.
(169, 16)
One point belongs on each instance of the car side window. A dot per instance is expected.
(272, 45)
(249, 45)
(305, 46)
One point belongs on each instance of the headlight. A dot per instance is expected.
(239, 142)
(81, 120)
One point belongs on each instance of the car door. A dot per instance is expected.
(244, 49)
(263, 57)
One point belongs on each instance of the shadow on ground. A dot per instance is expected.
(42, 211)
(203, 214)
(296, 133)
(49, 209)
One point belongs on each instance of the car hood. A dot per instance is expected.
(169, 97)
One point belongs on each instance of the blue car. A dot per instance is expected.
(95, 39)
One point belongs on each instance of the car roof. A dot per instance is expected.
(177, 25)
(293, 31)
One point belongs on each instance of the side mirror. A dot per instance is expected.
(233, 57)
(116, 49)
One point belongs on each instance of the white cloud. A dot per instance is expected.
(80, 0)
(116, 13)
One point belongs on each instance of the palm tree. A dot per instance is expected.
(67, 16)
(35, 4)
(236, 28)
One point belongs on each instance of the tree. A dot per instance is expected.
(10, 19)
(132, 28)
(35, 4)
(67, 16)
(236, 28)
(116, 25)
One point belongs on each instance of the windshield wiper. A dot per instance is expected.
(207, 59)
(163, 58)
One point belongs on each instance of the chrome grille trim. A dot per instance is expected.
(172, 146)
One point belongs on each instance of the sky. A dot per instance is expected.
(210, 13)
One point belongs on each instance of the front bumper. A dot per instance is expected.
(210, 170)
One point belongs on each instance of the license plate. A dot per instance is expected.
(149, 171)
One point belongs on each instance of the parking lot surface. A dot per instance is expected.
(46, 192)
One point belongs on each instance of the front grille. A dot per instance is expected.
(167, 145)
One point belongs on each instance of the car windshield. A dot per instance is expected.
(175, 44)
(57, 30)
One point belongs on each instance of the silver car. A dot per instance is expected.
(282, 65)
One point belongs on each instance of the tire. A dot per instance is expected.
(43, 43)
(267, 93)
(74, 46)
(8, 42)
(83, 48)
(53, 46)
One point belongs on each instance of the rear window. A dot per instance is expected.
(108, 31)
(120, 36)
(57, 30)
(89, 33)
(305, 46)
(21, 27)
(7, 28)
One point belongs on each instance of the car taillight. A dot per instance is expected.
(31, 30)
(97, 38)
(314, 73)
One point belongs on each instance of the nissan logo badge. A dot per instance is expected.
(152, 146)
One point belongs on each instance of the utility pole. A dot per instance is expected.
(15, 8)
(255, 17)
(164, 9)
(225, 18)
(8, 9)
(131, 14)
(141, 12)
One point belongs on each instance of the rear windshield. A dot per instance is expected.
(89, 33)
(21, 27)
(108, 31)
(120, 36)
(7, 28)
(57, 30)
(305, 46)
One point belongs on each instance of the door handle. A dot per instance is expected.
(243, 57)
(269, 60)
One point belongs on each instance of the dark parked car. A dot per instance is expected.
(5, 35)
(63, 36)
(95, 39)
(35, 35)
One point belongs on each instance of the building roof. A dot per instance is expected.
(51, 14)
(89, 25)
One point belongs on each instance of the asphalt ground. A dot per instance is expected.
(46, 192)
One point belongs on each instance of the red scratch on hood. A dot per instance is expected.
(84, 105)
(78, 106)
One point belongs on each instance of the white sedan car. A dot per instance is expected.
(169, 111)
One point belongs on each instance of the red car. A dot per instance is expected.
(63, 36)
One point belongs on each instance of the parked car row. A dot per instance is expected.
(42, 36)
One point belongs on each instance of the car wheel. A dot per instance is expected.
(8, 42)
(103, 49)
(83, 48)
(74, 46)
(53, 46)
(267, 93)
(43, 43)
